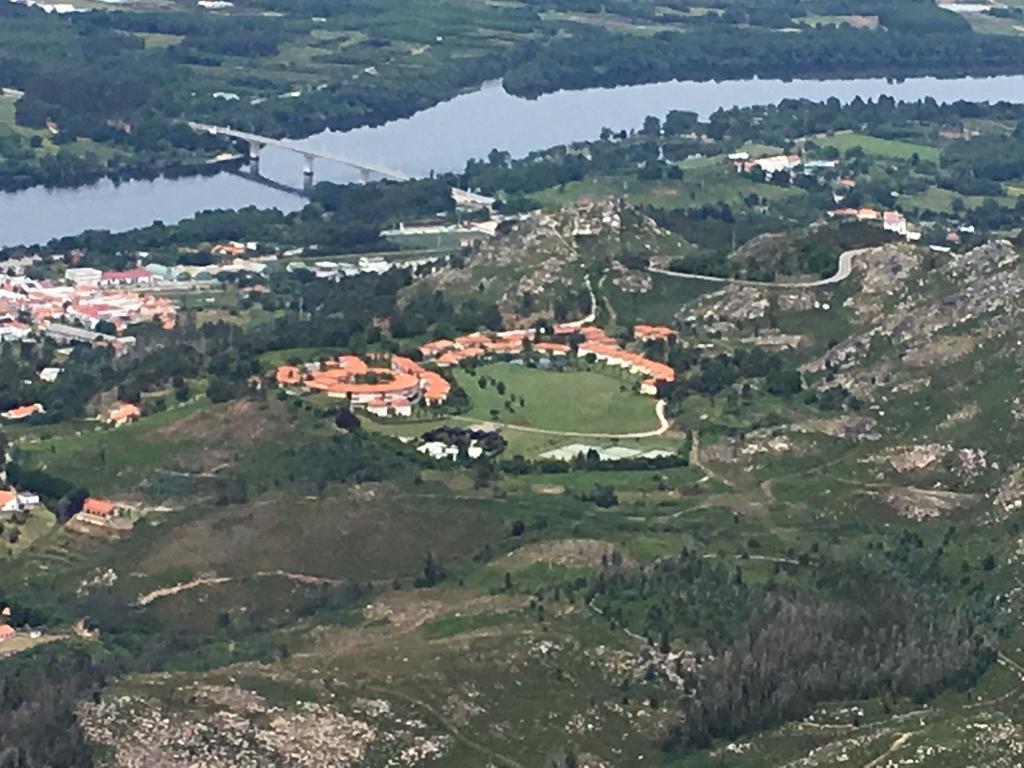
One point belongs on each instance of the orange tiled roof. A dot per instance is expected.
(99, 507)
(432, 348)
(642, 331)
(124, 412)
(23, 411)
(342, 381)
(406, 365)
(288, 374)
(6, 497)
(436, 387)
(551, 346)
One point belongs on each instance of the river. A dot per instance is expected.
(441, 138)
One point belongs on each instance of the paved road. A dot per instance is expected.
(842, 272)
(659, 411)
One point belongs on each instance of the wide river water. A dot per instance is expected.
(441, 138)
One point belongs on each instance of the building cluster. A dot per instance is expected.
(589, 340)
(87, 298)
(336, 270)
(891, 221)
(767, 165)
(382, 391)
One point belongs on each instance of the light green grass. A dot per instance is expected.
(159, 40)
(713, 183)
(941, 200)
(577, 400)
(873, 145)
(109, 460)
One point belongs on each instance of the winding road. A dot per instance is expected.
(843, 271)
(659, 411)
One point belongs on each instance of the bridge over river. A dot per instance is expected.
(257, 143)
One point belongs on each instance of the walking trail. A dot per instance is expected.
(157, 594)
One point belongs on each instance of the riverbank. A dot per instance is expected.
(443, 138)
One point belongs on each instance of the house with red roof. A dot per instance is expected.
(100, 508)
(123, 413)
(643, 332)
(137, 276)
(8, 500)
(23, 411)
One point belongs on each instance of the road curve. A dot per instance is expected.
(843, 271)
(659, 411)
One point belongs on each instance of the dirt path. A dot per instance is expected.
(900, 741)
(659, 412)
(185, 586)
(843, 271)
(613, 316)
(593, 308)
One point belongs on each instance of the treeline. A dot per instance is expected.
(600, 57)
(797, 653)
(39, 690)
(340, 218)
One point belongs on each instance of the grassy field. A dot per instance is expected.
(873, 145)
(700, 186)
(575, 401)
(941, 200)
(109, 461)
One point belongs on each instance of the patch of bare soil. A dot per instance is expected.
(914, 457)
(939, 351)
(852, 427)
(548, 490)
(405, 611)
(574, 553)
(922, 504)
(239, 422)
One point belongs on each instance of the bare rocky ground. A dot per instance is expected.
(386, 695)
(544, 256)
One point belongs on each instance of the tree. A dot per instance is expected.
(784, 382)
(347, 420)
(433, 572)
(71, 504)
(604, 496)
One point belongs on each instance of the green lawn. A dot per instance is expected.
(873, 145)
(700, 186)
(109, 460)
(577, 400)
(941, 200)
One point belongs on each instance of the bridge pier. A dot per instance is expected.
(255, 148)
(364, 175)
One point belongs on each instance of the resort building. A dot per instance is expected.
(390, 391)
